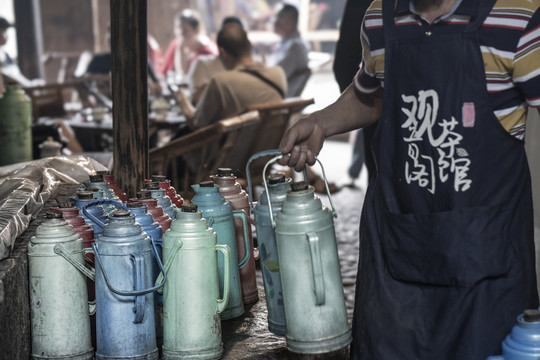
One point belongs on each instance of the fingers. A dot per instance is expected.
(298, 158)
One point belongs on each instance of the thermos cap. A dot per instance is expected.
(96, 178)
(299, 186)
(103, 172)
(208, 183)
(189, 207)
(531, 315)
(134, 204)
(221, 172)
(120, 213)
(66, 205)
(276, 178)
(159, 178)
(53, 214)
(144, 194)
(94, 189)
(152, 185)
(85, 195)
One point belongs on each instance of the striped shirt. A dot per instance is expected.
(510, 45)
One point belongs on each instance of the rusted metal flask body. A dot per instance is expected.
(84, 198)
(266, 238)
(220, 216)
(192, 302)
(60, 321)
(145, 197)
(162, 199)
(232, 191)
(170, 191)
(522, 342)
(114, 186)
(124, 286)
(96, 181)
(72, 216)
(152, 229)
(15, 126)
(310, 274)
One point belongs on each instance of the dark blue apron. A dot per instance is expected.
(446, 237)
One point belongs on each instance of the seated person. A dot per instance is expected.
(190, 42)
(245, 83)
(291, 53)
(9, 67)
(206, 66)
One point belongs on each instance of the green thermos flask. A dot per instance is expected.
(15, 126)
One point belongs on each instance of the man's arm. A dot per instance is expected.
(304, 140)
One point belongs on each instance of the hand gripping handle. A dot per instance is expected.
(305, 178)
(242, 215)
(316, 267)
(222, 303)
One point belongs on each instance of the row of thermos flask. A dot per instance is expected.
(172, 289)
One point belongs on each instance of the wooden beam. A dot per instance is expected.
(129, 66)
(29, 41)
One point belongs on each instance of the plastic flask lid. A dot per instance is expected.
(189, 208)
(531, 315)
(85, 195)
(120, 213)
(159, 178)
(276, 178)
(221, 172)
(299, 186)
(152, 186)
(96, 178)
(53, 214)
(144, 194)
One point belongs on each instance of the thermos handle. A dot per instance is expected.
(132, 292)
(101, 202)
(334, 214)
(138, 266)
(316, 267)
(222, 303)
(242, 215)
(169, 261)
(272, 152)
(256, 253)
(59, 249)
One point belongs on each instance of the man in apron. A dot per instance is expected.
(446, 236)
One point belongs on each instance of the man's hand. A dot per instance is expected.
(302, 143)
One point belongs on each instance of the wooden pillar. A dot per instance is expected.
(130, 93)
(29, 41)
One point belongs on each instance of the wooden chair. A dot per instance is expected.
(204, 150)
(275, 120)
(49, 99)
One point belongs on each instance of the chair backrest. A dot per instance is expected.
(275, 120)
(297, 82)
(48, 100)
(203, 151)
